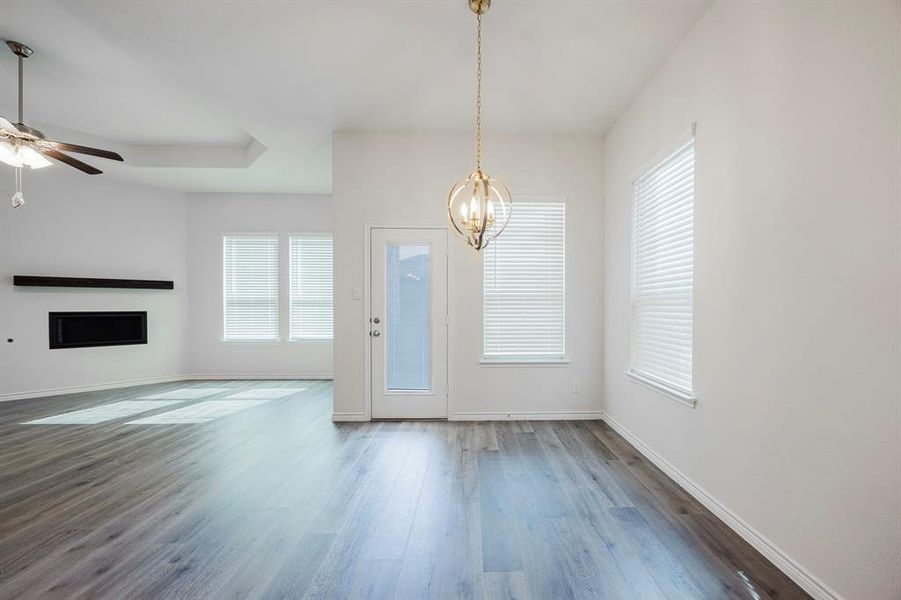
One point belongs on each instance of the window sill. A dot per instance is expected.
(524, 362)
(679, 396)
(310, 340)
(254, 342)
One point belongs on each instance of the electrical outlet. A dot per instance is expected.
(575, 386)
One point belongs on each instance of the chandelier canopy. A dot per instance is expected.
(479, 206)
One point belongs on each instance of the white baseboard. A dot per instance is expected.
(561, 415)
(89, 388)
(497, 416)
(343, 417)
(257, 377)
(785, 563)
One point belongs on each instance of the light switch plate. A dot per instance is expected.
(358, 293)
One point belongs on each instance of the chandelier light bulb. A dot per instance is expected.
(479, 209)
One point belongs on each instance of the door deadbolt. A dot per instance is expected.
(376, 320)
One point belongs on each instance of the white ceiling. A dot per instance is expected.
(158, 78)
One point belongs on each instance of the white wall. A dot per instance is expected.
(82, 226)
(209, 217)
(403, 179)
(76, 225)
(797, 278)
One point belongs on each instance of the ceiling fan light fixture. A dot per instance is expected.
(9, 154)
(32, 158)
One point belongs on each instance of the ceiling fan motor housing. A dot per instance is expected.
(20, 49)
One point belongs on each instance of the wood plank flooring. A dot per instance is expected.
(276, 501)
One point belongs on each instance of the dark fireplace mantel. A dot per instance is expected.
(92, 282)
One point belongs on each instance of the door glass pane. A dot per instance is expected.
(409, 336)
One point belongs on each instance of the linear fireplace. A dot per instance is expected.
(83, 329)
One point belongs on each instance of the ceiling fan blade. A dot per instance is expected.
(7, 126)
(86, 150)
(72, 162)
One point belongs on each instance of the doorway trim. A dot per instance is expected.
(364, 332)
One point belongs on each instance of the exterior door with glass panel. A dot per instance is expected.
(408, 323)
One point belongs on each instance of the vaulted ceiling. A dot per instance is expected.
(244, 95)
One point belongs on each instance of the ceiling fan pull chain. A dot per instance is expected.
(18, 199)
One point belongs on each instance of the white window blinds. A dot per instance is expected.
(523, 284)
(663, 272)
(251, 287)
(311, 287)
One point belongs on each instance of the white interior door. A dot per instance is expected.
(408, 323)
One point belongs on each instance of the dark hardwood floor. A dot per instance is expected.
(276, 501)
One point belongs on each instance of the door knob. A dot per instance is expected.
(376, 333)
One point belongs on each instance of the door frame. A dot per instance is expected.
(364, 332)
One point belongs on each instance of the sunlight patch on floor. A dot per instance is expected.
(265, 393)
(105, 412)
(198, 413)
(185, 394)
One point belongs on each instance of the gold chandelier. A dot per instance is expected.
(479, 206)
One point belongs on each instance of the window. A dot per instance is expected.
(408, 307)
(311, 287)
(523, 285)
(663, 274)
(251, 287)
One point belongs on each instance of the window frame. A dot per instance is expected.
(523, 360)
(224, 304)
(675, 392)
(309, 340)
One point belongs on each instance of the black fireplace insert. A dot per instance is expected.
(83, 329)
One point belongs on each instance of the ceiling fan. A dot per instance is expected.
(24, 146)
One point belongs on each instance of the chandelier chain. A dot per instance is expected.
(479, 93)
